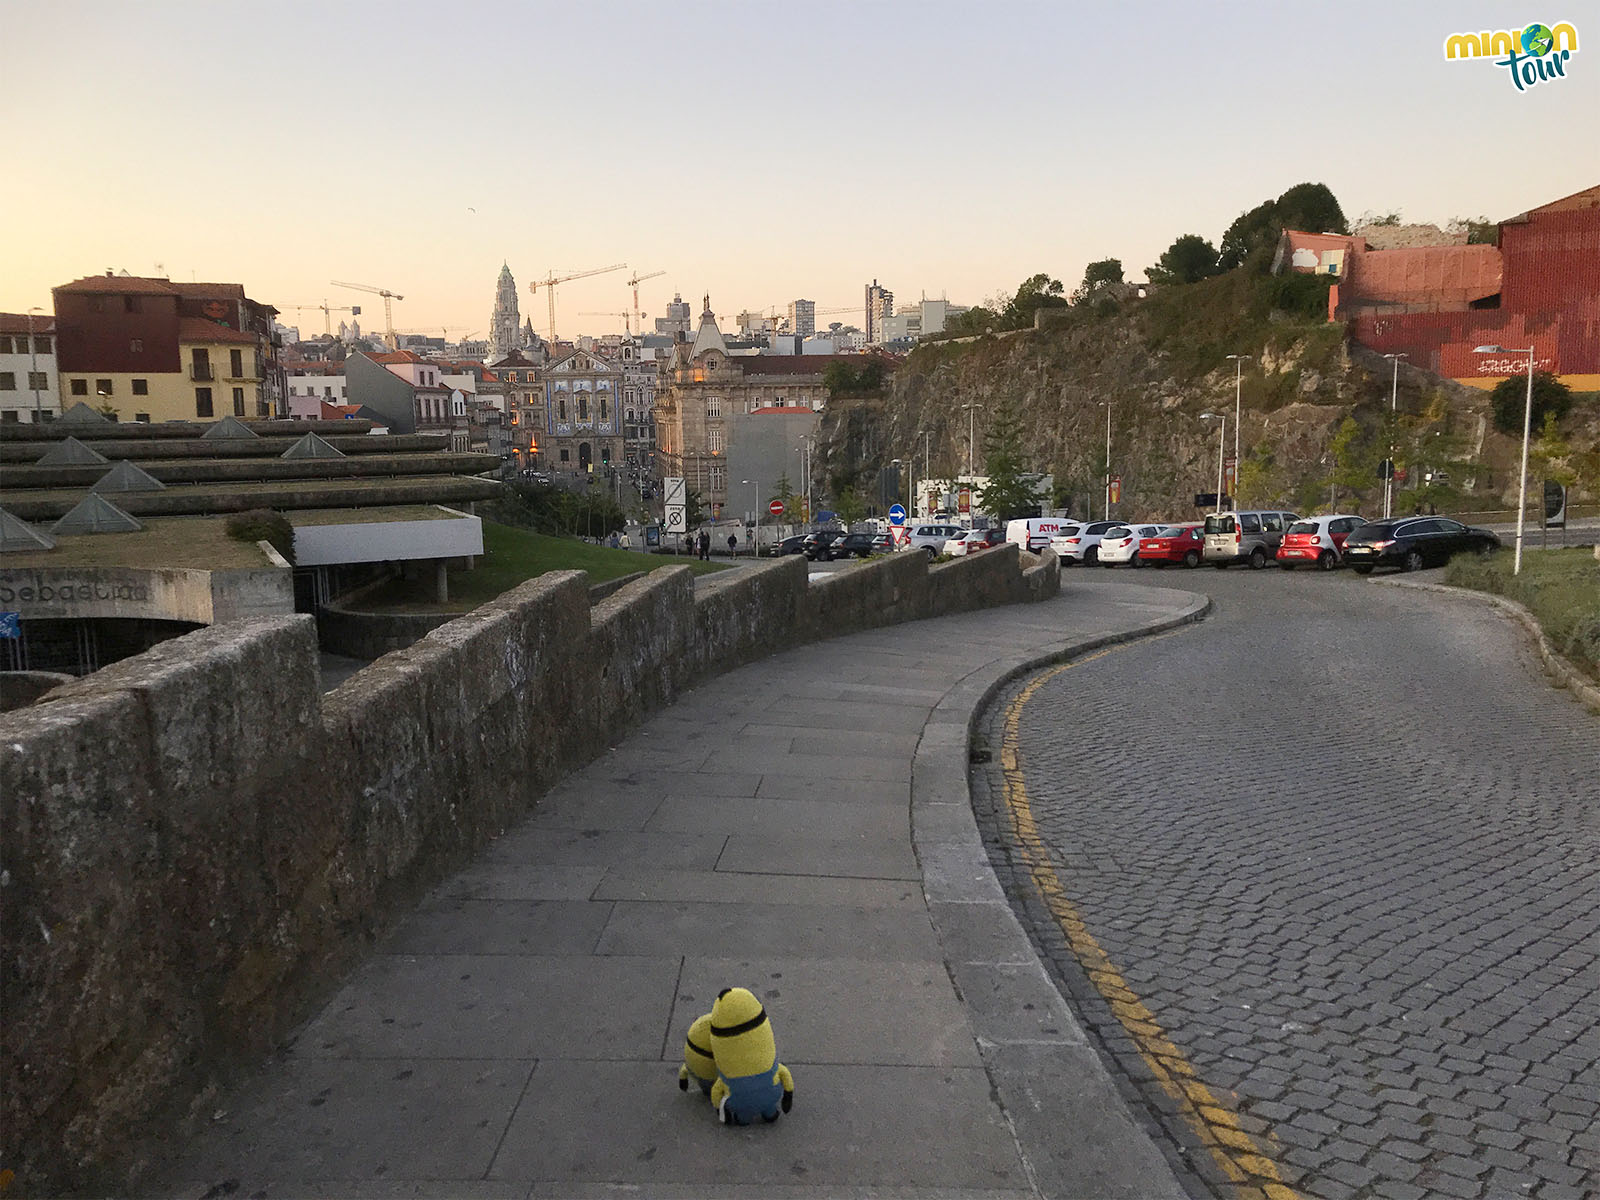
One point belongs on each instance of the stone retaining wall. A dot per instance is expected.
(197, 843)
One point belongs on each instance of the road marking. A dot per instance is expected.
(1245, 1160)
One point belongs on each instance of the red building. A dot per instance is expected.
(1435, 304)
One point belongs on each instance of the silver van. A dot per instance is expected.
(1251, 537)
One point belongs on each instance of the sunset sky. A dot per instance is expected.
(755, 151)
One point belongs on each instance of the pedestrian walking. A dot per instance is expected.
(705, 546)
(733, 545)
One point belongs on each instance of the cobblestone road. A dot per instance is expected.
(1341, 844)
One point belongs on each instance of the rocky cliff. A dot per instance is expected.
(1162, 362)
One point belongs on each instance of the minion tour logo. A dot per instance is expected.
(1533, 55)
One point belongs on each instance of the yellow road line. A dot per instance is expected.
(1245, 1160)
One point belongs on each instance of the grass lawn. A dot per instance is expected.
(201, 542)
(1561, 588)
(512, 556)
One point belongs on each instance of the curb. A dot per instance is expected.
(1045, 1072)
(1562, 673)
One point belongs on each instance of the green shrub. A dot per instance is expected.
(263, 525)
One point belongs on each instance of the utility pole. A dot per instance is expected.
(971, 411)
(1238, 382)
(1394, 403)
(1108, 460)
(33, 367)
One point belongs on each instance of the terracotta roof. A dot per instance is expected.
(224, 291)
(119, 285)
(18, 323)
(197, 329)
(395, 357)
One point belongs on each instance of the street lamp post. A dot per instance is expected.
(1238, 420)
(1222, 436)
(1527, 429)
(33, 367)
(971, 412)
(1107, 403)
(911, 491)
(1394, 402)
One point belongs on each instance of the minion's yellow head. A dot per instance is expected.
(741, 1035)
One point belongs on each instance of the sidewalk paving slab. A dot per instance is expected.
(800, 826)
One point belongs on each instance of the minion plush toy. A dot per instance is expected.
(750, 1079)
(697, 1061)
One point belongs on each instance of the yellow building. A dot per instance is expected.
(155, 350)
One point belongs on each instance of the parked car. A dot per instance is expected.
(1184, 544)
(973, 540)
(1317, 540)
(883, 543)
(858, 545)
(930, 539)
(1252, 537)
(1121, 544)
(819, 545)
(789, 545)
(1034, 533)
(1081, 544)
(1413, 543)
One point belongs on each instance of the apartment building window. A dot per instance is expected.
(97, 304)
(583, 406)
(713, 406)
(238, 402)
(719, 479)
(561, 409)
(202, 402)
(141, 387)
(8, 381)
(200, 368)
(262, 408)
(142, 418)
(37, 381)
(5, 344)
(80, 387)
(605, 412)
(135, 345)
(326, 391)
(714, 441)
(566, 455)
(41, 345)
(102, 387)
(9, 416)
(236, 363)
(131, 304)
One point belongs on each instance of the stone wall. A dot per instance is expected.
(197, 843)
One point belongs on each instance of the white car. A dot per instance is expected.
(971, 541)
(930, 539)
(1120, 544)
(1081, 543)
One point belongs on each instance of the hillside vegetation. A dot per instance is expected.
(1316, 421)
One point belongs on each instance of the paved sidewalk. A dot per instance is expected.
(801, 827)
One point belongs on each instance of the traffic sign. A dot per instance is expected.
(776, 508)
(677, 519)
(897, 514)
(10, 625)
(825, 516)
(675, 492)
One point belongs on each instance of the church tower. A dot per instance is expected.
(504, 332)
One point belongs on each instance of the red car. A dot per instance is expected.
(1317, 541)
(1184, 544)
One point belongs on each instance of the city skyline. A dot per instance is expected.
(936, 155)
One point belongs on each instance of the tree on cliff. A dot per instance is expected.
(1510, 398)
(1306, 206)
(1035, 292)
(1012, 490)
(1188, 260)
(1098, 276)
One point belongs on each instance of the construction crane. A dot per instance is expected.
(388, 310)
(634, 284)
(625, 327)
(326, 311)
(549, 286)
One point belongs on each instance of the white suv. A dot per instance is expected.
(930, 539)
